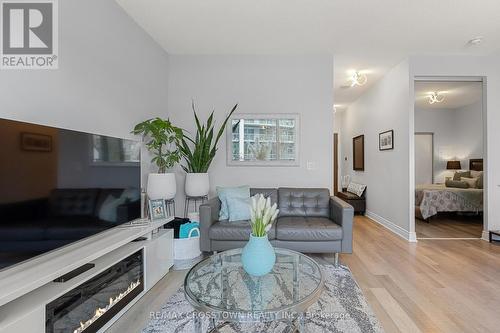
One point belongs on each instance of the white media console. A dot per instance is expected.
(26, 289)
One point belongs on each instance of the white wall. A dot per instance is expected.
(111, 74)
(383, 107)
(489, 68)
(458, 135)
(260, 84)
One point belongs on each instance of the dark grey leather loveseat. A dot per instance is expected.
(309, 221)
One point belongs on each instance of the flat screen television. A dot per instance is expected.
(58, 186)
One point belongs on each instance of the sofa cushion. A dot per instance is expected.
(307, 229)
(267, 192)
(234, 192)
(73, 202)
(235, 231)
(304, 202)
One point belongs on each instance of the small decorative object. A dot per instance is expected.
(199, 154)
(345, 182)
(358, 153)
(258, 256)
(386, 140)
(157, 210)
(36, 142)
(163, 144)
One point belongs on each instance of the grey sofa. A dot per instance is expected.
(309, 221)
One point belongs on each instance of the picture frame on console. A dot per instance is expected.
(157, 210)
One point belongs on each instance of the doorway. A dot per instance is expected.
(449, 153)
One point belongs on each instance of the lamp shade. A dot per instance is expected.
(161, 186)
(453, 165)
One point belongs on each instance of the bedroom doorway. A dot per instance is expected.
(448, 154)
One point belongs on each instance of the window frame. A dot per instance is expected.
(124, 164)
(258, 116)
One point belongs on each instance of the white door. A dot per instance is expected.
(424, 143)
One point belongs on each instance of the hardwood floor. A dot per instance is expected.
(429, 286)
(450, 226)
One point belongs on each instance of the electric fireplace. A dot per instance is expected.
(88, 307)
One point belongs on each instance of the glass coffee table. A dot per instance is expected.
(219, 289)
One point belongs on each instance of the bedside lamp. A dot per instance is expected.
(453, 165)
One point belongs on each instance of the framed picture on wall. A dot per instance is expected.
(386, 140)
(36, 142)
(358, 153)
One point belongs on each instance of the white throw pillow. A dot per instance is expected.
(356, 188)
(471, 181)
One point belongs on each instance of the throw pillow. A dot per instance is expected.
(460, 174)
(471, 181)
(107, 212)
(356, 188)
(239, 209)
(230, 192)
(480, 177)
(456, 183)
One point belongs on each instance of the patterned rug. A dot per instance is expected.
(341, 308)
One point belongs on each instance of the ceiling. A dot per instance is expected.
(456, 94)
(366, 35)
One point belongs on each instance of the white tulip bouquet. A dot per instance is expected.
(262, 215)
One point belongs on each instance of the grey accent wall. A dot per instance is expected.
(260, 84)
(383, 107)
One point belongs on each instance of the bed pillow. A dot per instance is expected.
(460, 174)
(356, 188)
(472, 182)
(230, 192)
(480, 177)
(456, 183)
(238, 208)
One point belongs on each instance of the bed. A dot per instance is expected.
(436, 198)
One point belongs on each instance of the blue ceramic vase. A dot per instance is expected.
(258, 256)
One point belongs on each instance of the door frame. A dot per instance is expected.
(415, 78)
(432, 137)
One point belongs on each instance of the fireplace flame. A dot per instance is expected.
(100, 311)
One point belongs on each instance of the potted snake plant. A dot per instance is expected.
(199, 152)
(162, 140)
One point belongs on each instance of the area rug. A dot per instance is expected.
(341, 308)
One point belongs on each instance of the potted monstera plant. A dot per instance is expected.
(162, 140)
(199, 152)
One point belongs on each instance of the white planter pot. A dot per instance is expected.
(197, 184)
(161, 186)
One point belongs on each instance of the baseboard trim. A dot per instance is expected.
(409, 236)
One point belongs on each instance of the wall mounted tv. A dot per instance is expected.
(59, 186)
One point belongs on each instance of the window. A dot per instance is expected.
(114, 151)
(263, 140)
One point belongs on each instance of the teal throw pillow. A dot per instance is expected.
(239, 209)
(230, 192)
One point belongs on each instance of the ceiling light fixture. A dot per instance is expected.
(435, 97)
(358, 79)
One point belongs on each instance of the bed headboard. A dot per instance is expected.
(476, 164)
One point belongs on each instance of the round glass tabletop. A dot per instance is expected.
(219, 285)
